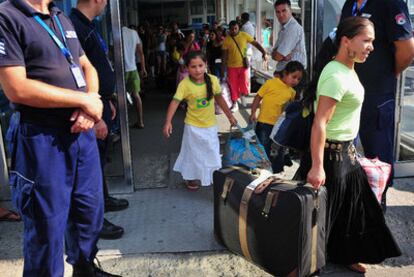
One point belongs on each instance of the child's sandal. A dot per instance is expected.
(192, 185)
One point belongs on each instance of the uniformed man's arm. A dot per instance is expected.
(21, 90)
(91, 76)
(404, 54)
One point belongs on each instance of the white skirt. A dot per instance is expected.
(199, 155)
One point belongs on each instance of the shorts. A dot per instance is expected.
(132, 81)
(239, 82)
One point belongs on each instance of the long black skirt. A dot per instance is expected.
(356, 228)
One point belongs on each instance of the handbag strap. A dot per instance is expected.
(237, 47)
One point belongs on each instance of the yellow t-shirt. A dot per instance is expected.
(275, 94)
(200, 110)
(234, 58)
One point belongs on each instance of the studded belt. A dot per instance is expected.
(337, 145)
(337, 149)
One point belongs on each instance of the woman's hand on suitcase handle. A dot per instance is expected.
(316, 176)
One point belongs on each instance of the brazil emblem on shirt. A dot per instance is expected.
(202, 103)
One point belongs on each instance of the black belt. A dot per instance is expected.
(45, 120)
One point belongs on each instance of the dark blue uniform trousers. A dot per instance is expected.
(56, 184)
(103, 144)
(377, 127)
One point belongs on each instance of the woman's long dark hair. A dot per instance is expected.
(348, 27)
(198, 54)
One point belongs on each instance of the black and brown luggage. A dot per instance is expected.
(277, 224)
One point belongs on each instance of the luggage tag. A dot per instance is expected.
(77, 74)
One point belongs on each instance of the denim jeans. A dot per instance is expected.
(263, 131)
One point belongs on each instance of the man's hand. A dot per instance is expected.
(101, 130)
(144, 73)
(82, 122)
(288, 57)
(92, 105)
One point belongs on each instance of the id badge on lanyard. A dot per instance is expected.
(74, 68)
(77, 74)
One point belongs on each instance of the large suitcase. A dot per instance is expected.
(277, 224)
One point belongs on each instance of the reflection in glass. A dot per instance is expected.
(407, 118)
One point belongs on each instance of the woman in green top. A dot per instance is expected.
(356, 228)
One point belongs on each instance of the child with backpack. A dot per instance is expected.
(272, 97)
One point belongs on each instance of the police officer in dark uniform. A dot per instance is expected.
(97, 52)
(55, 174)
(393, 52)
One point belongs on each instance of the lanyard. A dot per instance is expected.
(104, 47)
(62, 46)
(355, 9)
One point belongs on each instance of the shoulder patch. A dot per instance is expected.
(3, 51)
(400, 19)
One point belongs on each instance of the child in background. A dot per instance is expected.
(182, 71)
(273, 96)
(200, 148)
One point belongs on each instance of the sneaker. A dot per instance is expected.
(235, 107)
(114, 137)
(129, 98)
(243, 101)
(90, 270)
(110, 230)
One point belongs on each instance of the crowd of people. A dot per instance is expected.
(57, 72)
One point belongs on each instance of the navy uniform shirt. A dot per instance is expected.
(24, 42)
(96, 51)
(392, 23)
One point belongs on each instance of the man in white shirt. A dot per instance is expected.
(133, 45)
(247, 25)
(290, 44)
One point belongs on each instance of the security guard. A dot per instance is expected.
(55, 175)
(97, 52)
(393, 52)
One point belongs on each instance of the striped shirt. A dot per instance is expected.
(291, 40)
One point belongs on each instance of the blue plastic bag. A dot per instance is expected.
(245, 151)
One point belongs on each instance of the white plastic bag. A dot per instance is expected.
(225, 92)
(277, 126)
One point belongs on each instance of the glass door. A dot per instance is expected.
(202, 11)
(404, 125)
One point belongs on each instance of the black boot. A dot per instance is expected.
(113, 204)
(90, 270)
(110, 231)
